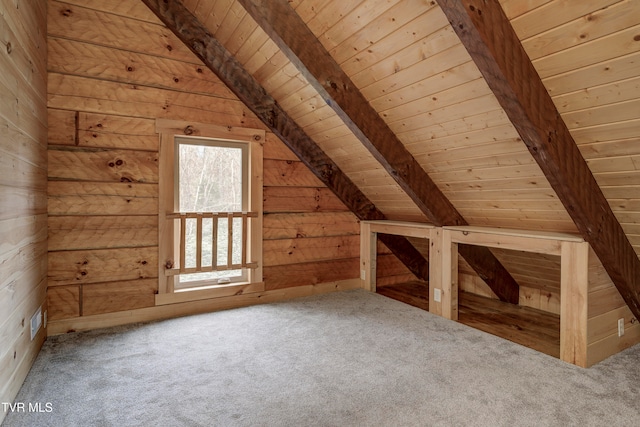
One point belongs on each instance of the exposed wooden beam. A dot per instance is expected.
(494, 46)
(302, 48)
(196, 36)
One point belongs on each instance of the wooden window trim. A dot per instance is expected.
(168, 130)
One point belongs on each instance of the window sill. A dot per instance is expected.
(208, 292)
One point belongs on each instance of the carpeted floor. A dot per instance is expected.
(344, 359)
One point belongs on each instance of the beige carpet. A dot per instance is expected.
(346, 359)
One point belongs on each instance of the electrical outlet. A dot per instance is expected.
(36, 322)
(44, 321)
(363, 274)
(437, 295)
(620, 327)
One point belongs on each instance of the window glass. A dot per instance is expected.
(211, 177)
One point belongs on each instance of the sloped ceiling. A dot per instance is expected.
(408, 62)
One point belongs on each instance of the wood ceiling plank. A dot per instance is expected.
(301, 46)
(603, 114)
(554, 14)
(261, 56)
(355, 20)
(444, 143)
(483, 159)
(624, 90)
(428, 87)
(232, 19)
(240, 35)
(327, 17)
(596, 51)
(427, 106)
(603, 150)
(490, 194)
(252, 45)
(427, 25)
(187, 27)
(609, 71)
(487, 33)
(515, 8)
(308, 9)
(216, 16)
(626, 130)
(457, 111)
(476, 122)
(393, 19)
(597, 24)
(203, 9)
(431, 55)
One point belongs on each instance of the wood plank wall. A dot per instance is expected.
(105, 93)
(23, 185)
(605, 308)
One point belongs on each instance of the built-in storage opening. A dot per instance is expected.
(534, 327)
(534, 322)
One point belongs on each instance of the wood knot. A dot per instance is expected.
(119, 162)
(66, 12)
(130, 68)
(257, 137)
(189, 130)
(169, 264)
(9, 48)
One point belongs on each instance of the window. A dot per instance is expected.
(210, 237)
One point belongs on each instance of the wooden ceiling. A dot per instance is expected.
(410, 65)
(412, 68)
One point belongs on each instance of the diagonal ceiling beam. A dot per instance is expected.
(304, 50)
(487, 34)
(195, 36)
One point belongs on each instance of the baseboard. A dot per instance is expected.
(194, 307)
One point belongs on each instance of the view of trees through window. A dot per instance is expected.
(211, 180)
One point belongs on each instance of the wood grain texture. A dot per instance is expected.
(311, 58)
(311, 273)
(102, 198)
(220, 61)
(103, 165)
(98, 298)
(23, 146)
(485, 31)
(102, 265)
(101, 232)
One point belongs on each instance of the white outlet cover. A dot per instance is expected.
(437, 296)
(36, 322)
(620, 327)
